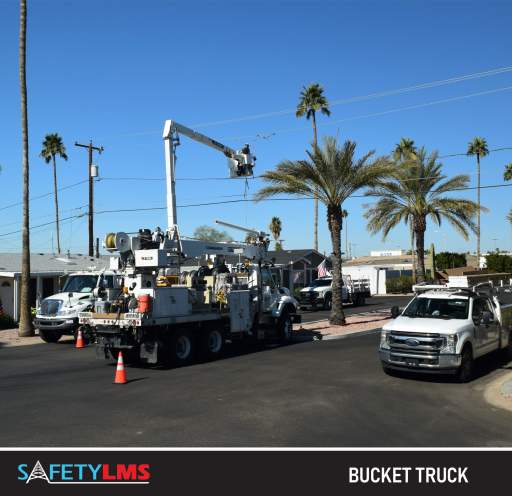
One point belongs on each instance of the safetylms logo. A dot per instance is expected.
(87, 474)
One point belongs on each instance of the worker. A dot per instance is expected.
(246, 150)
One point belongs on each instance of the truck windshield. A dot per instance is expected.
(438, 308)
(319, 283)
(80, 284)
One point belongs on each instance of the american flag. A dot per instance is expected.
(322, 269)
(297, 275)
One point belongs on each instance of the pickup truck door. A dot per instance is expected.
(269, 290)
(479, 331)
(492, 329)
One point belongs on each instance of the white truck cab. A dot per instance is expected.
(445, 329)
(319, 293)
(57, 315)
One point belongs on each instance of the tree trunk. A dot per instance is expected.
(316, 187)
(420, 226)
(478, 233)
(412, 249)
(56, 202)
(335, 223)
(346, 237)
(26, 328)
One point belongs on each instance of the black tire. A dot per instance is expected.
(127, 355)
(181, 347)
(388, 371)
(49, 336)
(328, 303)
(84, 339)
(465, 372)
(212, 342)
(355, 303)
(285, 328)
(508, 350)
(363, 301)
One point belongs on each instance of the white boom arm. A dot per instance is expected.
(239, 164)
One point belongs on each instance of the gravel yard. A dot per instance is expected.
(354, 324)
(11, 336)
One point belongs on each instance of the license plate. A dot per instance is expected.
(411, 362)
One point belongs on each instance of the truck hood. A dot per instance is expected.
(78, 302)
(418, 324)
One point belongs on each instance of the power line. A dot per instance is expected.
(35, 227)
(337, 102)
(46, 194)
(43, 216)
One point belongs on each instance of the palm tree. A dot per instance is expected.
(332, 174)
(250, 237)
(275, 227)
(52, 146)
(311, 101)
(416, 190)
(26, 328)
(507, 176)
(479, 148)
(344, 214)
(509, 217)
(403, 151)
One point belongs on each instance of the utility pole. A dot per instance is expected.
(90, 223)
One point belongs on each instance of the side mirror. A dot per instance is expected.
(394, 312)
(70, 295)
(487, 318)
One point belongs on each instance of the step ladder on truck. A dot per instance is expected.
(447, 326)
(164, 313)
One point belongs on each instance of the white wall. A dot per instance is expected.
(7, 295)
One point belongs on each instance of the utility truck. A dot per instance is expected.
(57, 315)
(445, 327)
(164, 313)
(319, 293)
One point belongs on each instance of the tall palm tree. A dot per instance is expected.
(509, 217)
(26, 328)
(332, 174)
(479, 148)
(403, 151)
(275, 226)
(312, 101)
(344, 214)
(507, 176)
(52, 146)
(417, 190)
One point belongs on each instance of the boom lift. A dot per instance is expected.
(161, 307)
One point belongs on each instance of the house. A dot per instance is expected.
(294, 268)
(45, 272)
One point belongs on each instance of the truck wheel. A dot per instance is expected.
(49, 336)
(465, 371)
(285, 328)
(182, 347)
(508, 350)
(363, 301)
(328, 303)
(213, 342)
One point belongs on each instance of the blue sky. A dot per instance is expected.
(105, 69)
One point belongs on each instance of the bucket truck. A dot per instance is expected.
(164, 313)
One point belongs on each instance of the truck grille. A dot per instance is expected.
(308, 297)
(417, 343)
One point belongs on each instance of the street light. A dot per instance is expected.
(495, 243)
(354, 245)
(444, 239)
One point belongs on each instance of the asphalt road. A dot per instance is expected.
(314, 394)
(372, 304)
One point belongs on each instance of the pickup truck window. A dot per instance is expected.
(80, 284)
(438, 308)
(320, 283)
(477, 309)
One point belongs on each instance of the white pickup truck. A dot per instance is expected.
(319, 293)
(57, 315)
(444, 328)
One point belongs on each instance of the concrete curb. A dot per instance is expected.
(335, 336)
(496, 388)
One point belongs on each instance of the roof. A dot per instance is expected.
(283, 257)
(380, 261)
(46, 263)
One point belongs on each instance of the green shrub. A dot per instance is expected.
(446, 259)
(296, 292)
(402, 284)
(498, 263)
(6, 321)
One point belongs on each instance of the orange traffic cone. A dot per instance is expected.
(79, 341)
(120, 374)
